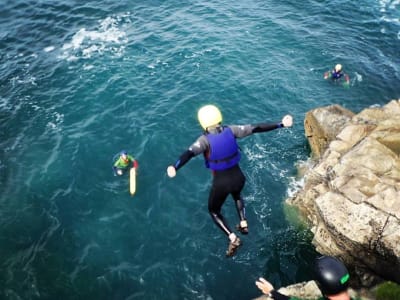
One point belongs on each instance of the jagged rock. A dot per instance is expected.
(310, 290)
(304, 290)
(322, 124)
(351, 196)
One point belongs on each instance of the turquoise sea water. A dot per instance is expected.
(79, 82)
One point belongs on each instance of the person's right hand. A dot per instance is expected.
(287, 121)
(119, 172)
(264, 285)
(171, 171)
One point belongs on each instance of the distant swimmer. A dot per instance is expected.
(124, 163)
(337, 75)
(222, 156)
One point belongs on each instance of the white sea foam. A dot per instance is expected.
(5, 103)
(391, 4)
(88, 67)
(296, 183)
(358, 77)
(386, 8)
(26, 80)
(108, 37)
(49, 49)
(56, 120)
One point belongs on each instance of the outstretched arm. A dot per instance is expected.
(117, 162)
(242, 131)
(183, 159)
(287, 121)
(263, 127)
(267, 288)
(200, 146)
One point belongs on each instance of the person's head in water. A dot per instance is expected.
(337, 72)
(332, 277)
(209, 116)
(338, 68)
(124, 155)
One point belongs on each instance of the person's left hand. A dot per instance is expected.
(119, 172)
(264, 285)
(287, 121)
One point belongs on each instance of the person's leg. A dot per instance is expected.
(215, 201)
(242, 226)
(240, 208)
(218, 195)
(240, 180)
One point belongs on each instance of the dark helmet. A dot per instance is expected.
(331, 275)
(124, 152)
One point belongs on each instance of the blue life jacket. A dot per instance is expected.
(224, 151)
(336, 75)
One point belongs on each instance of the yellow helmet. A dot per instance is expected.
(209, 115)
(338, 67)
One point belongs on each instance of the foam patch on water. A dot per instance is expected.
(56, 121)
(358, 77)
(259, 157)
(388, 5)
(256, 154)
(296, 183)
(5, 103)
(28, 79)
(49, 49)
(107, 38)
(390, 13)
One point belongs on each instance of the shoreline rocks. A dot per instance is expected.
(351, 196)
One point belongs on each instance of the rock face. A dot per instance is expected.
(310, 290)
(351, 196)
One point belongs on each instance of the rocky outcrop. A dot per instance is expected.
(321, 126)
(310, 290)
(351, 197)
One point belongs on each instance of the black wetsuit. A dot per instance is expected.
(225, 182)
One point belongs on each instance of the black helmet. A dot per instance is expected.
(331, 275)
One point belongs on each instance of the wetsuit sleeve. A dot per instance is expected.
(198, 147)
(263, 127)
(240, 131)
(278, 296)
(183, 159)
(117, 162)
(244, 130)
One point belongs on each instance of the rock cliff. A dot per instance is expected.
(351, 196)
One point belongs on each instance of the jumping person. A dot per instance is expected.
(222, 156)
(123, 163)
(331, 276)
